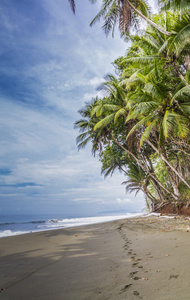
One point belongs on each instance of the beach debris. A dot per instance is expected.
(76, 234)
(144, 278)
(167, 255)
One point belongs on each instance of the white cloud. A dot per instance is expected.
(68, 61)
(123, 201)
(96, 81)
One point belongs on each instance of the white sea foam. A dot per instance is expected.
(83, 221)
(6, 233)
(11, 229)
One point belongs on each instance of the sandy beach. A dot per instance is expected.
(139, 258)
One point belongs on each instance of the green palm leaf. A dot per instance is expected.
(148, 130)
(181, 40)
(184, 91)
(138, 125)
(104, 122)
(119, 113)
(141, 60)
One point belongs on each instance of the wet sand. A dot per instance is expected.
(139, 258)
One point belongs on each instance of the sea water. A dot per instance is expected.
(22, 224)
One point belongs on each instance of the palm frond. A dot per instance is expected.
(72, 4)
(138, 125)
(104, 122)
(142, 60)
(121, 112)
(148, 131)
(83, 143)
(184, 91)
(181, 40)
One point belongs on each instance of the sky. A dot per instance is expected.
(51, 64)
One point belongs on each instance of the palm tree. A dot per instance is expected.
(157, 110)
(86, 126)
(147, 94)
(106, 110)
(143, 120)
(139, 181)
(124, 12)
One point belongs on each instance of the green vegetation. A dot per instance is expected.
(142, 126)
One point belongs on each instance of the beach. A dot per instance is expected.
(137, 258)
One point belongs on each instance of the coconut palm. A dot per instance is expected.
(148, 93)
(124, 12)
(86, 127)
(112, 112)
(153, 45)
(157, 110)
(143, 119)
(137, 181)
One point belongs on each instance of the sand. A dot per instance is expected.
(139, 258)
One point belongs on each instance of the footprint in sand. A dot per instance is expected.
(135, 264)
(174, 276)
(126, 287)
(133, 273)
(136, 278)
(136, 293)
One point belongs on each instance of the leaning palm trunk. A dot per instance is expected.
(151, 197)
(168, 163)
(158, 190)
(144, 168)
(171, 174)
(148, 20)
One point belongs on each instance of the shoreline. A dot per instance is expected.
(134, 258)
(88, 221)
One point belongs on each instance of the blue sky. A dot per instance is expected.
(51, 63)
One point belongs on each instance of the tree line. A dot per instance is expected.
(141, 126)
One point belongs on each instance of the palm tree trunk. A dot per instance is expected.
(171, 174)
(148, 20)
(143, 167)
(154, 183)
(150, 196)
(168, 163)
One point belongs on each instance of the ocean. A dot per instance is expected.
(21, 224)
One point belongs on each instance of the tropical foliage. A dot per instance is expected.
(142, 126)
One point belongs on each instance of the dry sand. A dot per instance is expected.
(139, 258)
